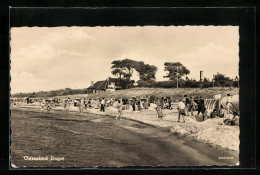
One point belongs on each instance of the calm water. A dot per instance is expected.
(91, 140)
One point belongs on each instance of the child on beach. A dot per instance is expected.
(181, 109)
(159, 112)
(120, 109)
(159, 108)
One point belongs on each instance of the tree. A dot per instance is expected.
(206, 83)
(146, 72)
(173, 68)
(222, 80)
(124, 70)
(192, 83)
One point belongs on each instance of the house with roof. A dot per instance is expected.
(110, 84)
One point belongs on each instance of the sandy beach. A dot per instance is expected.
(209, 131)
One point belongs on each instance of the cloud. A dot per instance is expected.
(36, 51)
(42, 52)
(25, 74)
(211, 58)
(53, 43)
(69, 34)
(24, 81)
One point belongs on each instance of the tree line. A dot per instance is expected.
(123, 69)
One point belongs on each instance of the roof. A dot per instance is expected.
(99, 85)
(114, 80)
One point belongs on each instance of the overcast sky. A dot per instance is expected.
(71, 57)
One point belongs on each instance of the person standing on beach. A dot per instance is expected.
(65, 104)
(133, 105)
(200, 105)
(102, 108)
(159, 108)
(124, 103)
(181, 109)
(82, 104)
(229, 105)
(187, 105)
(120, 109)
(201, 108)
(170, 102)
(191, 107)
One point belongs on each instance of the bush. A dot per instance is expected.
(142, 83)
(166, 84)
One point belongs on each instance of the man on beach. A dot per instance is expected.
(201, 108)
(102, 108)
(120, 109)
(133, 104)
(187, 105)
(124, 103)
(170, 103)
(181, 109)
(190, 107)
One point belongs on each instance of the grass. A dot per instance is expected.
(162, 92)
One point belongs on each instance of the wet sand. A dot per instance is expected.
(90, 140)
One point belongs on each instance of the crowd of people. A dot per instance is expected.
(186, 106)
(102, 103)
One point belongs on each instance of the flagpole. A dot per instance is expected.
(177, 76)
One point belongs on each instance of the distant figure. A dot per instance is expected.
(66, 104)
(170, 103)
(133, 104)
(42, 104)
(157, 102)
(190, 109)
(124, 103)
(201, 108)
(159, 108)
(120, 109)
(222, 112)
(213, 114)
(162, 101)
(229, 105)
(82, 105)
(181, 109)
(69, 102)
(102, 108)
(111, 101)
(108, 102)
(187, 105)
(138, 104)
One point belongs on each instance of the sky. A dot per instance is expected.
(44, 59)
